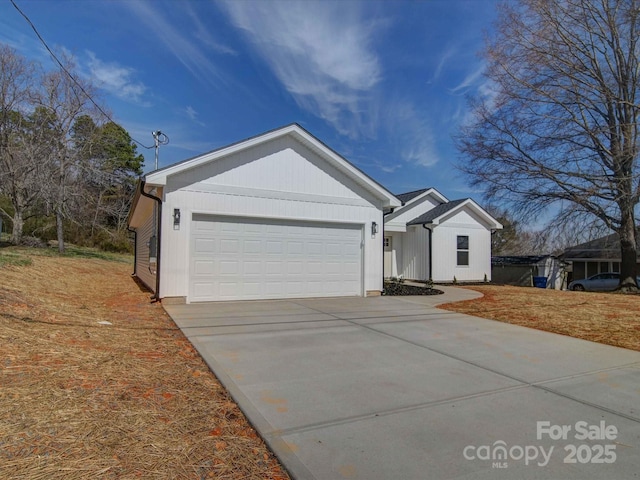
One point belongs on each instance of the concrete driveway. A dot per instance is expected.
(394, 388)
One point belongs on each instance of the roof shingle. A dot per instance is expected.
(436, 212)
(408, 196)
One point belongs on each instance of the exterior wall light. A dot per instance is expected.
(176, 219)
(374, 228)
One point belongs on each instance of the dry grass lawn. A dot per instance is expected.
(80, 398)
(610, 318)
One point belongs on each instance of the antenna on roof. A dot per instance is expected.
(159, 138)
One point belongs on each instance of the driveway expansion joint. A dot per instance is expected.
(540, 385)
(392, 411)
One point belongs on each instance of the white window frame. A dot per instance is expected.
(462, 250)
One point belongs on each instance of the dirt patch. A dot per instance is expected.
(125, 399)
(607, 318)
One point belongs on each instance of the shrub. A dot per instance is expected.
(35, 242)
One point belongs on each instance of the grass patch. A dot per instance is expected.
(73, 251)
(607, 318)
(14, 253)
(14, 259)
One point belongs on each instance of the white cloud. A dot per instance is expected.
(116, 79)
(320, 52)
(185, 49)
(413, 134)
(388, 168)
(469, 80)
(448, 53)
(193, 115)
(203, 34)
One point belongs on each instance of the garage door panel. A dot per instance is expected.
(252, 268)
(295, 248)
(252, 246)
(228, 227)
(294, 288)
(229, 245)
(274, 247)
(203, 267)
(201, 289)
(294, 268)
(204, 245)
(227, 267)
(236, 259)
(275, 268)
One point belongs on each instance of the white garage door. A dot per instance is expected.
(241, 259)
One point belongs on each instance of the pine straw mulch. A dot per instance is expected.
(80, 399)
(609, 318)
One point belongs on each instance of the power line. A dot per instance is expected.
(64, 69)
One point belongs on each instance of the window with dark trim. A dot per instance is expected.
(463, 250)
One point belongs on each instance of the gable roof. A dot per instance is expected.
(414, 196)
(159, 177)
(405, 197)
(436, 212)
(502, 260)
(435, 215)
(607, 247)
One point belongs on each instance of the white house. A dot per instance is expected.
(430, 237)
(279, 215)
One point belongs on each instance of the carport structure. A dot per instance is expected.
(392, 387)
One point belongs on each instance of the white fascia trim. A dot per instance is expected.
(395, 227)
(492, 222)
(414, 202)
(433, 192)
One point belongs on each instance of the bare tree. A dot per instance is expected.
(62, 101)
(20, 165)
(560, 131)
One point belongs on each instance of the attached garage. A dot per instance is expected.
(246, 259)
(279, 215)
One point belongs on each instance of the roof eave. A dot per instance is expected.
(430, 191)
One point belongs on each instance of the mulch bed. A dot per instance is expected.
(97, 382)
(396, 288)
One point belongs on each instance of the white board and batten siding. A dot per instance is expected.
(143, 272)
(413, 253)
(445, 266)
(304, 195)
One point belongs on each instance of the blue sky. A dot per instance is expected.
(381, 82)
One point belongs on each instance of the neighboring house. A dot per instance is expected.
(430, 237)
(279, 215)
(601, 255)
(529, 270)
